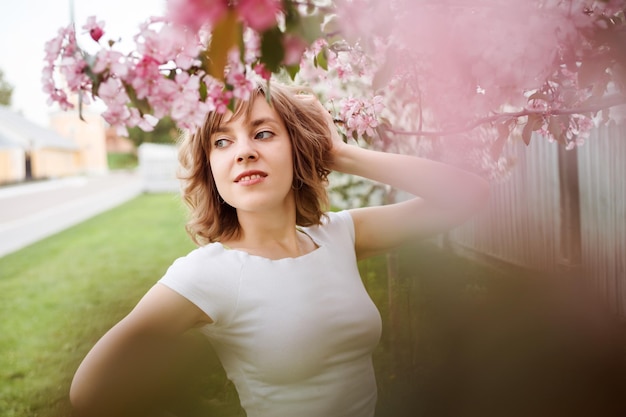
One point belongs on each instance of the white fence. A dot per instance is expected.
(522, 225)
(158, 164)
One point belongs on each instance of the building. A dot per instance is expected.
(87, 134)
(29, 151)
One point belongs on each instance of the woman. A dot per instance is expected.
(274, 284)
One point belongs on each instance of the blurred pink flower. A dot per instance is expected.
(73, 69)
(217, 96)
(236, 77)
(294, 48)
(187, 109)
(262, 72)
(168, 42)
(112, 93)
(113, 61)
(144, 75)
(259, 14)
(196, 13)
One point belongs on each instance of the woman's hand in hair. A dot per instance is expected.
(335, 136)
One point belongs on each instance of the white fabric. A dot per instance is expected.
(295, 335)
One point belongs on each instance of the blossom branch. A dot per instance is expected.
(599, 105)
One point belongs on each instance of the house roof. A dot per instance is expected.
(20, 132)
(5, 142)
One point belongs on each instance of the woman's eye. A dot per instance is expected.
(220, 143)
(266, 134)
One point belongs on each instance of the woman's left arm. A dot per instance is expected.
(445, 197)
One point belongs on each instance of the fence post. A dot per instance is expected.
(570, 248)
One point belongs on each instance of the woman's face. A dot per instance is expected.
(251, 160)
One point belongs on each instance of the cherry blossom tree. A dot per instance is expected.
(453, 80)
(399, 74)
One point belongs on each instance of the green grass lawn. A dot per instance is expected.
(58, 296)
(121, 161)
(460, 339)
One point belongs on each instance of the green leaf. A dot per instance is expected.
(231, 105)
(321, 59)
(272, 49)
(225, 35)
(292, 70)
(203, 91)
(292, 17)
(310, 28)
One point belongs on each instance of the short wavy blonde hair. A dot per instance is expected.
(210, 218)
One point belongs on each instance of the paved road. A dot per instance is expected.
(34, 211)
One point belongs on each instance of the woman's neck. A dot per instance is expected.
(271, 236)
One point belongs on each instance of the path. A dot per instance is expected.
(31, 212)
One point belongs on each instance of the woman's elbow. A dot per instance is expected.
(81, 396)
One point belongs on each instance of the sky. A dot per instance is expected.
(26, 25)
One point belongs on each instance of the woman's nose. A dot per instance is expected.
(246, 151)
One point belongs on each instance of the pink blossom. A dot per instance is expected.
(294, 48)
(451, 48)
(94, 28)
(54, 46)
(110, 60)
(252, 45)
(196, 13)
(236, 77)
(61, 53)
(314, 74)
(217, 96)
(222, 101)
(262, 72)
(187, 109)
(259, 15)
(162, 93)
(361, 116)
(169, 43)
(144, 75)
(73, 69)
(145, 122)
(56, 95)
(112, 93)
(119, 113)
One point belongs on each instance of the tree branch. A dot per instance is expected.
(593, 107)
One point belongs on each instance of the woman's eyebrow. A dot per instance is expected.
(253, 123)
(260, 121)
(222, 129)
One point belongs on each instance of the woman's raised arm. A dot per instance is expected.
(445, 196)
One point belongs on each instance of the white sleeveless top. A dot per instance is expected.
(295, 335)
